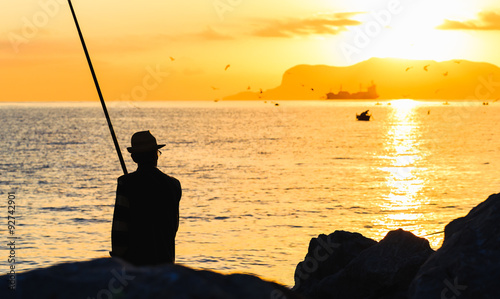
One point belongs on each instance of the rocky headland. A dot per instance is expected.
(394, 79)
(339, 265)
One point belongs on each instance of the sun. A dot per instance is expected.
(403, 108)
(405, 104)
(412, 33)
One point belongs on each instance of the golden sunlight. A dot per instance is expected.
(402, 207)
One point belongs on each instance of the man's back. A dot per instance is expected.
(146, 217)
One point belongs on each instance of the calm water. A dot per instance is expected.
(259, 180)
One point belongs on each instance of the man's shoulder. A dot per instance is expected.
(127, 177)
(137, 176)
(167, 177)
(173, 183)
(123, 177)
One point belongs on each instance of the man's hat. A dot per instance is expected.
(142, 142)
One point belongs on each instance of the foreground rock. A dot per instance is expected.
(111, 278)
(381, 270)
(326, 256)
(468, 263)
(341, 265)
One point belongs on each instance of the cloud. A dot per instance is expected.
(141, 43)
(323, 24)
(487, 20)
(211, 34)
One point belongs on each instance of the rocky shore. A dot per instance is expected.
(348, 265)
(339, 265)
(113, 278)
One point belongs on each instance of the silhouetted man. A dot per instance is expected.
(146, 216)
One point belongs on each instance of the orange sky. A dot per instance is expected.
(161, 50)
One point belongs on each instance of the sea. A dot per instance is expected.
(259, 178)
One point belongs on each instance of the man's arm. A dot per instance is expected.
(121, 220)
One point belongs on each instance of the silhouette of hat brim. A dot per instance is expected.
(143, 142)
(143, 149)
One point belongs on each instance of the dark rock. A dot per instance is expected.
(384, 270)
(467, 265)
(326, 256)
(112, 278)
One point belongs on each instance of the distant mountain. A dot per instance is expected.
(394, 78)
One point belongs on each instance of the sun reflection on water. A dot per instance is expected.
(404, 204)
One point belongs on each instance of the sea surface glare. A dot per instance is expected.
(259, 180)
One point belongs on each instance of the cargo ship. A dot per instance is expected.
(370, 93)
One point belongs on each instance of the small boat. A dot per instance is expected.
(363, 116)
(446, 103)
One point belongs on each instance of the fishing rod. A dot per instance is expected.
(103, 104)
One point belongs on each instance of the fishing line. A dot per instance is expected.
(436, 233)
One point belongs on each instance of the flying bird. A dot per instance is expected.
(248, 88)
(214, 88)
(445, 74)
(227, 66)
(457, 61)
(409, 68)
(171, 58)
(425, 67)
